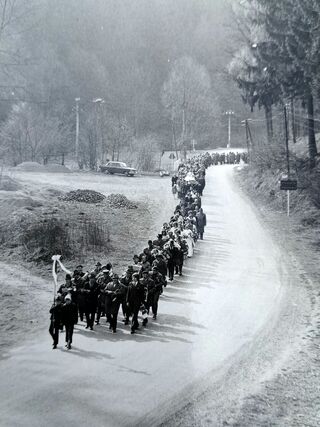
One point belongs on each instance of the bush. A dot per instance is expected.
(92, 236)
(46, 238)
(54, 236)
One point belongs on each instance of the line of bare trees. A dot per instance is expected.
(158, 67)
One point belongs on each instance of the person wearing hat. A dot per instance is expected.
(79, 268)
(79, 282)
(148, 253)
(55, 321)
(159, 242)
(102, 279)
(145, 265)
(172, 253)
(69, 317)
(125, 281)
(66, 287)
(201, 222)
(115, 292)
(182, 252)
(153, 299)
(161, 264)
(149, 287)
(136, 296)
(91, 290)
(97, 268)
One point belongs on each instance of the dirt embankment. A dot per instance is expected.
(291, 396)
(37, 221)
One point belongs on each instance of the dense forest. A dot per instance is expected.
(278, 66)
(142, 76)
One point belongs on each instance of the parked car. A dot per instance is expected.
(163, 172)
(119, 168)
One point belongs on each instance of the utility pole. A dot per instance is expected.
(184, 125)
(98, 102)
(287, 139)
(293, 122)
(246, 125)
(249, 141)
(229, 114)
(287, 153)
(77, 129)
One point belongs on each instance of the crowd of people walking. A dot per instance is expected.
(99, 293)
(229, 158)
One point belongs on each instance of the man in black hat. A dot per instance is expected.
(159, 242)
(136, 296)
(66, 287)
(91, 290)
(161, 264)
(159, 282)
(102, 280)
(115, 292)
(172, 256)
(55, 321)
(125, 281)
(97, 268)
(79, 282)
(149, 286)
(79, 268)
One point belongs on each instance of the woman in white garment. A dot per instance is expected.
(187, 234)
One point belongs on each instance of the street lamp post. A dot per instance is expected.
(229, 114)
(77, 129)
(98, 102)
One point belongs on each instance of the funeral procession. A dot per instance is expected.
(159, 213)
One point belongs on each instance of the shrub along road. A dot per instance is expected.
(229, 310)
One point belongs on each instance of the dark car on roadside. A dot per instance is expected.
(118, 168)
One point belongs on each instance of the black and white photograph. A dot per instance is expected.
(159, 213)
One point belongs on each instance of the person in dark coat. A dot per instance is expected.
(182, 250)
(201, 222)
(91, 290)
(155, 291)
(172, 256)
(149, 285)
(202, 184)
(79, 269)
(161, 264)
(115, 292)
(69, 317)
(159, 242)
(66, 288)
(145, 265)
(102, 281)
(79, 282)
(125, 281)
(55, 321)
(136, 296)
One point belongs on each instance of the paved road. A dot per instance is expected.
(227, 292)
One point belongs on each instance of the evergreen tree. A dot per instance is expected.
(292, 28)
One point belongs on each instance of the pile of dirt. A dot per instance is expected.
(30, 167)
(83, 196)
(57, 168)
(120, 201)
(9, 184)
